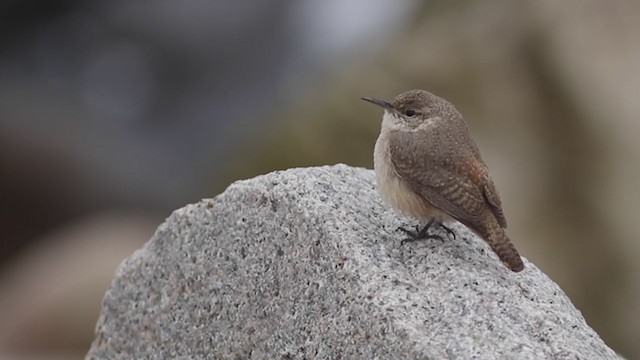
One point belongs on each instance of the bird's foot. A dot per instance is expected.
(421, 234)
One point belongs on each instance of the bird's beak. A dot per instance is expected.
(382, 103)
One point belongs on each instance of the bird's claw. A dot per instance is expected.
(448, 230)
(422, 234)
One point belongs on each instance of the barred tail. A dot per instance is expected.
(502, 246)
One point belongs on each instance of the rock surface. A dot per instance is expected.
(307, 263)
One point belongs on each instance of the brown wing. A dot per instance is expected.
(458, 185)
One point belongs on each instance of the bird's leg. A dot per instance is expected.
(420, 234)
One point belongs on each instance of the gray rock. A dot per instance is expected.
(307, 263)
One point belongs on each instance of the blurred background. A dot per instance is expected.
(113, 114)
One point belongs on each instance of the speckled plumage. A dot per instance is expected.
(428, 166)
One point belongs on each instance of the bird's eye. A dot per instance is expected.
(410, 112)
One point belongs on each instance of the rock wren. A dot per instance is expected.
(429, 168)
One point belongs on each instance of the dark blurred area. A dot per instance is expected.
(113, 114)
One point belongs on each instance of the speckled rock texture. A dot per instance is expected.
(307, 264)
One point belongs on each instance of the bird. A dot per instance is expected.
(429, 168)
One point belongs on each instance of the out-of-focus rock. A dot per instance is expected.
(50, 297)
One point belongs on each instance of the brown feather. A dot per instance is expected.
(452, 188)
